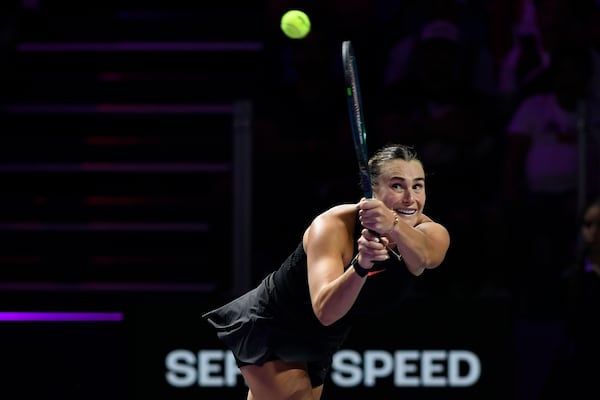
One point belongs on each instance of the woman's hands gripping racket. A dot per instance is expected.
(357, 124)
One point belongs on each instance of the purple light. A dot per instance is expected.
(99, 226)
(106, 287)
(117, 167)
(117, 108)
(62, 316)
(139, 46)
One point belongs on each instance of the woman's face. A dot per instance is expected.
(401, 186)
(591, 226)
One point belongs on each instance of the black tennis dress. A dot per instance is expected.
(275, 320)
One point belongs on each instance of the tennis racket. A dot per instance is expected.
(357, 122)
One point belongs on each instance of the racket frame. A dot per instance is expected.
(355, 112)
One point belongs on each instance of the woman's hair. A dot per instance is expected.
(387, 153)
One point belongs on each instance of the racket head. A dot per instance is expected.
(355, 111)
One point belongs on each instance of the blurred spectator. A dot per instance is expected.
(541, 175)
(574, 366)
(527, 57)
(405, 29)
(584, 302)
(434, 93)
(521, 37)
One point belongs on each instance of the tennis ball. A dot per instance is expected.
(295, 24)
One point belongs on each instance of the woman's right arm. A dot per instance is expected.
(333, 287)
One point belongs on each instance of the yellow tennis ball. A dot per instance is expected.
(295, 24)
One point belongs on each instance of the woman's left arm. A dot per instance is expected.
(423, 246)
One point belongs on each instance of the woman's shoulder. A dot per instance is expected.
(334, 226)
(341, 210)
(423, 219)
(341, 216)
(345, 213)
(426, 223)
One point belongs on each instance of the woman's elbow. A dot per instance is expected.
(325, 319)
(418, 267)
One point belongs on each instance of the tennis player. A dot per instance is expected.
(352, 259)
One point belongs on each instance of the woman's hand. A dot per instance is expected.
(376, 216)
(371, 248)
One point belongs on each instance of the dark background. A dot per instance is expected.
(160, 157)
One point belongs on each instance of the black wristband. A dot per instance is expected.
(360, 271)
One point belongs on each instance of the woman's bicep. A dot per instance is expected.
(325, 256)
(439, 242)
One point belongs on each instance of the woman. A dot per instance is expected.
(354, 261)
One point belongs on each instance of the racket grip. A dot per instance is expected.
(374, 233)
